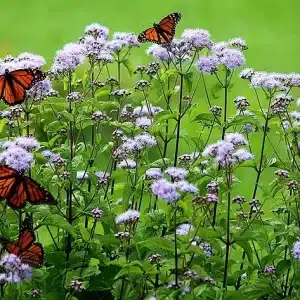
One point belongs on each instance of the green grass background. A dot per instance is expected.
(270, 28)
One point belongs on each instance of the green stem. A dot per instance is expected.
(178, 120)
(175, 246)
(227, 230)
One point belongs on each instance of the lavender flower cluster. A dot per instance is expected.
(13, 270)
(227, 152)
(170, 191)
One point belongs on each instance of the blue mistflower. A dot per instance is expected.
(97, 30)
(13, 269)
(17, 158)
(208, 64)
(296, 250)
(160, 53)
(165, 190)
(232, 58)
(176, 173)
(67, 59)
(199, 38)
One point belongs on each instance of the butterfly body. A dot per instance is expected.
(14, 84)
(18, 189)
(163, 32)
(29, 251)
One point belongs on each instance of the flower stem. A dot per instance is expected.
(175, 245)
(227, 232)
(70, 191)
(178, 120)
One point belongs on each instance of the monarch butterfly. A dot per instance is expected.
(14, 84)
(18, 189)
(25, 248)
(163, 32)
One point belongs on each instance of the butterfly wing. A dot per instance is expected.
(26, 249)
(37, 194)
(2, 85)
(167, 27)
(149, 35)
(16, 83)
(33, 256)
(7, 181)
(18, 189)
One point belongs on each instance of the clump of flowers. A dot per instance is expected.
(17, 158)
(128, 217)
(97, 213)
(226, 153)
(67, 59)
(296, 250)
(13, 270)
(184, 229)
(77, 285)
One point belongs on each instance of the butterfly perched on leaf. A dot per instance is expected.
(18, 189)
(163, 32)
(26, 248)
(14, 84)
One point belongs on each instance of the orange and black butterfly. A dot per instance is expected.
(163, 32)
(18, 189)
(26, 248)
(14, 84)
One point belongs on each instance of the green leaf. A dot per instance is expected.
(204, 117)
(67, 115)
(129, 271)
(128, 65)
(240, 120)
(165, 115)
(102, 92)
(159, 245)
(247, 248)
(188, 79)
(84, 233)
(282, 266)
(59, 222)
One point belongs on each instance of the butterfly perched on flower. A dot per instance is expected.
(163, 32)
(14, 84)
(18, 189)
(26, 248)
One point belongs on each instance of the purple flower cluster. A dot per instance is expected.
(221, 54)
(97, 30)
(42, 90)
(77, 285)
(165, 190)
(103, 177)
(13, 269)
(226, 153)
(296, 250)
(184, 229)
(128, 217)
(176, 173)
(27, 143)
(154, 174)
(23, 61)
(67, 59)
(97, 213)
(16, 157)
(160, 53)
(198, 38)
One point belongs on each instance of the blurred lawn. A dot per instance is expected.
(270, 28)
